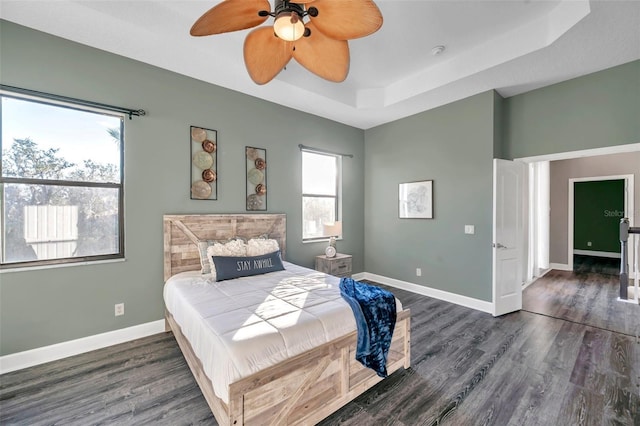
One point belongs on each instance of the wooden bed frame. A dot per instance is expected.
(301, 390)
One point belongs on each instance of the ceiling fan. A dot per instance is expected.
(319, 44)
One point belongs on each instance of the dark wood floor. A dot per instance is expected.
(600, 265)
(584, 297)
(468, 368)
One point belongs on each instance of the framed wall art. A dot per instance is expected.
(416, 200)
(204, 163)
(256, 171)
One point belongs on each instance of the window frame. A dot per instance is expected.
(338, 192)
(64, 261)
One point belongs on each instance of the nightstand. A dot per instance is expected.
(339, 265)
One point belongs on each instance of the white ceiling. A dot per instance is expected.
(512, 46)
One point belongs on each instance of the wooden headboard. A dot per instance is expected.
(182, 232)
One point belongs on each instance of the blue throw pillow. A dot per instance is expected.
(233, 267)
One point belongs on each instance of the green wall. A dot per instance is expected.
(593, 111)
(47, 306)
(598, 208)
(452, 145)
(498, 125)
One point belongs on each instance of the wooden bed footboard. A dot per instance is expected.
(301, 390)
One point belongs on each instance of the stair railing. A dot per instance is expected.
(625, 231)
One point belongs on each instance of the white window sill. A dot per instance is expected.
(324, 240)
(60, 265)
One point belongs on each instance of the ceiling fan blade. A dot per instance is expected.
(231, 15)
(265, 55)
(346, 19)
(323, 56)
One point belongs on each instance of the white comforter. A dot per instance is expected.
(241, 326)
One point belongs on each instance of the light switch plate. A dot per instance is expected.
(469, 229)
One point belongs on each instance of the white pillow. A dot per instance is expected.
(261, 246)
(234, 248)
(202, 251)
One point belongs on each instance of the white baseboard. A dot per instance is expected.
(560, 266)
(469, 302)
(20, 360)
(542, 273)
(545, 272)
(597, 253)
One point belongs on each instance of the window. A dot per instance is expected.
(61, 185)
(321, 191)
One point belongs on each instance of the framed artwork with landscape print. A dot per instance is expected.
(415, 200)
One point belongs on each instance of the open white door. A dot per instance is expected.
(508, 241)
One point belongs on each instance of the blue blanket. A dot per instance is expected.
(375, 311)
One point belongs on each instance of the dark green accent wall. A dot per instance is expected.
(598, 208)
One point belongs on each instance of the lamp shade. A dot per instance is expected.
(332, 229)
(288, 26)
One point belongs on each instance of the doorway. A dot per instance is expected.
(596, 205)
(568, 289)
(550, 221)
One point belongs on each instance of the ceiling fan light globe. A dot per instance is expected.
(288, 26)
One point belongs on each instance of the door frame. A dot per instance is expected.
(628, 208)
(569, 155)
(538, 197)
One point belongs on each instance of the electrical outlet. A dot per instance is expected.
(469, 229)
(119, 309)
(418, 272)
(588, 243)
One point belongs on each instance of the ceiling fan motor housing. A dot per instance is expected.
(286, 6)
